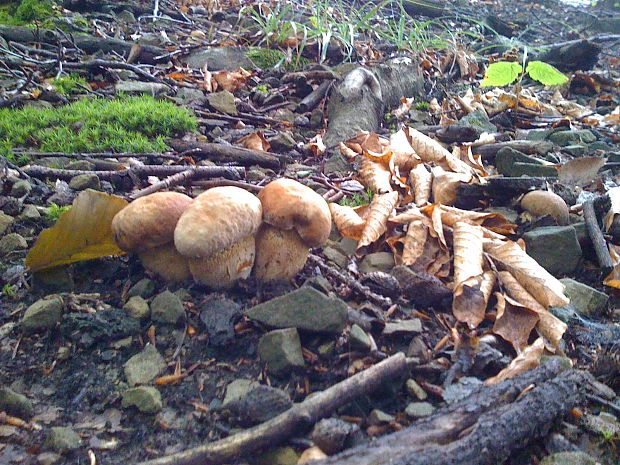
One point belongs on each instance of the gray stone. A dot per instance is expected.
(415, 390)
(258, 405)
(282, 142)
(404, 327)
(147, 399)
(335, 256)
(85, 181)
(144, 367)
(126, 16)
(5, 222)
(53, 280)
(237, 389)
(278, 456)
(511, 215)
(82, 165)
(358, 339)
(143, 288)
(555, 248)
(378, 417)
(21, 188)
(138, 308)
(320, 283)
(577, 150)
(305, 309)
(141, 87)
(48, 458)
(188, 95)
(43, 314)
(564, 138)
(419, 409)
(218, 58)
(281, 350)
(603, 423)
(478, 119)
(167, 308)
(15, 404)
(511, 162)
(12, 243)
(378, 261)
(223, 101)
(569, 458)
(585, 299)
(540, 134)
(62, 439)
(30, 213)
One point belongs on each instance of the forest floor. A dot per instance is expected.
(102, 362)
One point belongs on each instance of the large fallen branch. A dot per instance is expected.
(297, 418)
(484, 429)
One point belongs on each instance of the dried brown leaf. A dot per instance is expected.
(403, 155)
(421, 181)
(415, 239)
(348, 222)
(514, 322)
(374, 176)
(255, 141)
(446, 184)
(580, 171)
(528, 359)
(379, 211)
(429, 150)
(543, 286)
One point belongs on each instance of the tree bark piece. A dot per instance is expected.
(314, 98)
(229, 153)
(483, 429)
(596, 236)
(295, 419)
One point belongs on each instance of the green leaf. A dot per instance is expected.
(501, 73)
(545, 73)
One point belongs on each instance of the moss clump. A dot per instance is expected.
(67, 85)
(268, 58)
(27, 11)
(131, 124)
(54, 211)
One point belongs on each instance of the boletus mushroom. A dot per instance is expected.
(295, 219)
(216, 233)
(146, 227)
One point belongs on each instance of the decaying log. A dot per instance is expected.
(501, 189)
(571, 56)
(314, 98)
(483, 429)
(358, 102)
(229, 153)
(529, 147)
(299, 417)
(88, 43)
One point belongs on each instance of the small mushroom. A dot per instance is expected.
(295, 219)
(216, 233)
(146, 227)
(541, 203)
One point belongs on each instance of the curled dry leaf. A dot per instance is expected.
(580, 171)
(614, 209)
(411, 214)
(403, 155)
(374, 176)
(549, 326)
(543, 286)
(528, 359)
(469, 304)
(492, 221)
(514, 322)
(429, 150)
(613, 278)
(316, 146)
(82, 233)
(541, 203)
(446, 184)
(347, 152)
(415, 239)
(421, 181)
(255, 141)
(457, 165)
(348, 222)
(379, 211)
(232, 81)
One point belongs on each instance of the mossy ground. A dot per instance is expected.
(67, 85)
(268, 58)
(133, 124)
(25, 12)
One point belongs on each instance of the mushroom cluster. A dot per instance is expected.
(226, 232)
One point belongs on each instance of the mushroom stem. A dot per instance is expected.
(280, 254)
(165, 262)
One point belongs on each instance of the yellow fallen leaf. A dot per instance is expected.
(613, 278)
(82, 233)
(514, 322)
(374, 176)
(528, 359)
(421, 181)
(379, 211)
(543, 286)
(469, 304)
(348, 222)
(549, 326)
(429, 150)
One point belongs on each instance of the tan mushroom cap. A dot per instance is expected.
(216, 220)
(280, 254)
(166, 263)
(288, 204)
(149, 221)
(541, 203)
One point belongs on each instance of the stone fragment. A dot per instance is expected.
(281, 351)
(85, 181)
(555, 248)
(571, 137)
(223, 101)
(146, 399)
(378, 261)
(419, 409)
(12, 242)
(143, 288)
(21, 188)
(144, 367)
(62, 439)
(137, 308)
(585, 299)
(403, 327)
(15, 404)
(43, 314)
(167, 308)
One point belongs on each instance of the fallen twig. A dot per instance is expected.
(167, 183)
(596, 236)
(298, 417)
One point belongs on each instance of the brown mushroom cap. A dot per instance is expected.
(149, 221)
(280, 254)
(288, 204)
(541, 203)
(166, 262)
(216, 220)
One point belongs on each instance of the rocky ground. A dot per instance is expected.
(104, 363)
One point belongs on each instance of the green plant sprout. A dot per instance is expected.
(54, 211)
(9, 290)
(504, 73)
(358, 199)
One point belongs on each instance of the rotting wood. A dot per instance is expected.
(483, 429)
(299, 417)
(597, 238)
(314, 98)
(229, 153)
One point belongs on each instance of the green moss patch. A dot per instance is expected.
(24, 12)
(126, 124)
(268, 58)
(67, 85)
